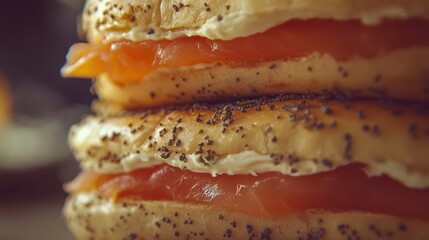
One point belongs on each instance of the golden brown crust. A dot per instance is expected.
(155, 19)
(260, 135)
(91, 217)
(364, 77)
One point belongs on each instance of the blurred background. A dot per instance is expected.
(37, 107)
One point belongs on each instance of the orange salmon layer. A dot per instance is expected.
(266, 195)
(126, 62)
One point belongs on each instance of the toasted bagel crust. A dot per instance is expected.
(262, 135)
(363, 77)
(91, 217)
(137, 20)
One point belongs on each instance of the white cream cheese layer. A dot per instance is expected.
(249, 162)
(243, 18)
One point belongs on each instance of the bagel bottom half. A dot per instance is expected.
(373, 77)
(90, 216)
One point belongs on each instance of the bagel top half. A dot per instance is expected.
(295, 137)
(136, 20)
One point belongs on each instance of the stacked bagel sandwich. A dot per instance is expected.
(252, 120)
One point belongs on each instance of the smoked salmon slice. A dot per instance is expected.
(268, 195)
(127, 61)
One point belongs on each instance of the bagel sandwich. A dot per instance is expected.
(151, 53)
(252, 120)
(283, 167)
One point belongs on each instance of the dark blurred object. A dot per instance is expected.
(34, 156)
(35, 36)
